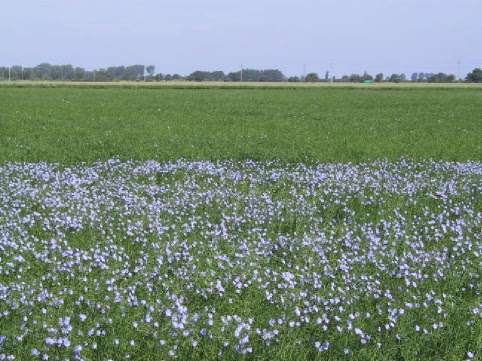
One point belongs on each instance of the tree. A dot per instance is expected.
(3, 72)
(27, 73)
(150, 69)
(345, 79)
(355, 78)
(67, 72)
(293, 79)
(79, 74)
(56, 72)
(475, 76)
(395, 78)
(217, 75)
(102, 75)
(43, 71)
(274, 75)
(117, 72)
(271, 75)
(234, 76)
(206, 76)
(379, 78)
(89, 75)
(198, 76)
(134, 72)
(366, 76)
(312, 78)
(250, 75)
(16, 72)
(414, 77)
(441, 78)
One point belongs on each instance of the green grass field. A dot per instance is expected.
(252, 222)
(328, 124)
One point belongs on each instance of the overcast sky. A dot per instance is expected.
(180, 36)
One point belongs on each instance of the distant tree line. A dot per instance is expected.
(393, 78)
(68, 72)
(473, 77)
(47, 71)
(268, 75)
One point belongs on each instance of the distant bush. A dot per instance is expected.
(312, 78)
(475, 76)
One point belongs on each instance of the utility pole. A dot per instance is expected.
(241, 72)
(9, 74)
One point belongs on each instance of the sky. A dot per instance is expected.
(297, 36)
